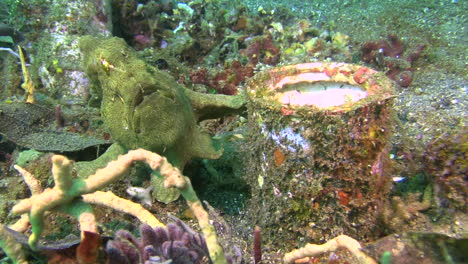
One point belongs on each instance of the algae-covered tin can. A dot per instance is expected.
(317, 160)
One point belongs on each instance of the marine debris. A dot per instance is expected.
(318, 141)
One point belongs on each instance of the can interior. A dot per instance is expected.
(320, 94)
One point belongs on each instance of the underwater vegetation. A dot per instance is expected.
(177, 243)
(392, 54)
(190, 131)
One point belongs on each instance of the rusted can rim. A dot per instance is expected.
(371, 85)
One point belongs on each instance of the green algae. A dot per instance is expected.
(27, 156)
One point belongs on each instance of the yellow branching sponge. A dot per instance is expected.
(342, 241)
(63, 196)
(28, 84)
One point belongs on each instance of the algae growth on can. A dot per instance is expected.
(318, 161)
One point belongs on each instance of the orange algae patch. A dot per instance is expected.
(279, 157)
(362, 75)
(285, 111)
(344, 198)
(331, 71)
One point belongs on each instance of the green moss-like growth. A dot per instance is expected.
(143, 107)
(27, 156)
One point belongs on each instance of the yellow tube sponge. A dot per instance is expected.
(28, 84)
